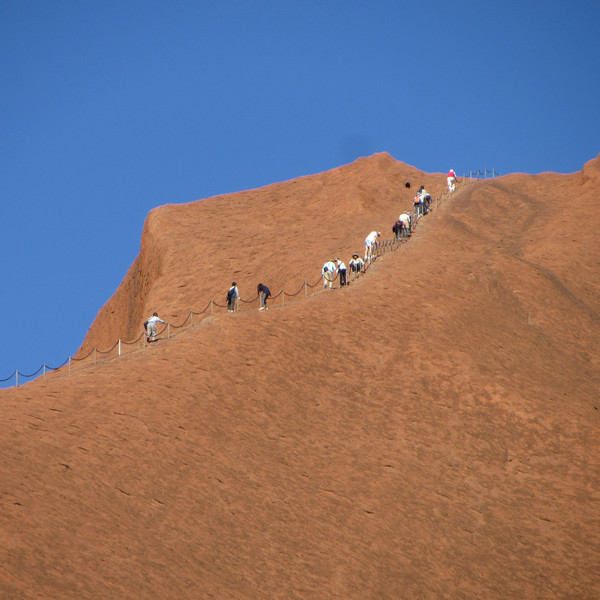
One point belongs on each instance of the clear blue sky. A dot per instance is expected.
(111, 108)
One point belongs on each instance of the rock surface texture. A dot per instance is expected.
(430, 431)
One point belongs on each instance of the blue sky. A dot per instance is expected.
(109, 109)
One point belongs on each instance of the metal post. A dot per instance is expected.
(69, 365)
(282, 298)
(306, 289)
(212, 314)
(191, 318)
(95, 352)
(44, 371)
(119, 347)
(168, 331)
(17, 378)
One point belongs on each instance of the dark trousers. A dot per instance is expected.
(342, 273)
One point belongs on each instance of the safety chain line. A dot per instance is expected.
(382, 248)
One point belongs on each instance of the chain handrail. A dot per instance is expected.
(9, 377)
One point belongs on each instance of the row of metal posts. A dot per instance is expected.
(485, 172)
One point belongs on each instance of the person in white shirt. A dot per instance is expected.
(151, 327)
(232, 295)
(405, 219)
(425, 198)
(371, 245)
(342, 271)
(328, 272)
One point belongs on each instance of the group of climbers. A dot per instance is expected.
(233, 294)
(422, 202)
(402, 229)
(333, 268)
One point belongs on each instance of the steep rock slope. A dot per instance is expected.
(281, 234)
(428, 432)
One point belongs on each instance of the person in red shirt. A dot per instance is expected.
(451, 178)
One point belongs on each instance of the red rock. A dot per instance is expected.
(429, 432)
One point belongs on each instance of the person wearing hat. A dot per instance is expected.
(371, 245)
(232, 295)
(151, 327)
(356, 264)
(342, 271)
(328, 272)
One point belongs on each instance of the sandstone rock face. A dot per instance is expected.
(430, 431)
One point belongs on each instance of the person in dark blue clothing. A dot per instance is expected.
(263, 294)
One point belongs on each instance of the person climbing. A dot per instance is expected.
(406, 220)
(263, 294)
(418, 204)
(232, 295)
(425, 198)
(356, 264)
(328, 272)
(371, 245)
(451, 178)
(342, 272)
(150, 325)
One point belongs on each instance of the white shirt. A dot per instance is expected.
(341, 266)
(155, 320)
(404, 218)
(371, 238)
(328, 266)
(357, 262)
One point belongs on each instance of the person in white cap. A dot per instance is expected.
(151, 327)
(371, 244)
(451, 178)
(328, 272)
